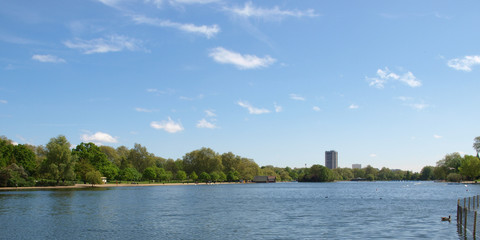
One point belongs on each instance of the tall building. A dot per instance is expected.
(356, 166)
(331, 159)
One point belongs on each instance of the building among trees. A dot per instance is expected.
(356, 166)
(331, 159)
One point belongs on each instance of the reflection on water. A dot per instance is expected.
(343, 210)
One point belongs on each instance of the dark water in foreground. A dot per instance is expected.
(343, 210)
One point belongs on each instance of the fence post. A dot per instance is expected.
(474, 224)
(458, 208)
(465, 224)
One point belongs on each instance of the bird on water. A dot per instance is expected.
(446, 219)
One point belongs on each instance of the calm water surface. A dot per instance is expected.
(342, 210)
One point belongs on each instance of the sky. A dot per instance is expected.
(384, 83)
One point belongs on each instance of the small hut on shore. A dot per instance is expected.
(264, 179)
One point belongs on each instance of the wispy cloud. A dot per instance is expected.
(277, 107)
(252, 109)
(224, 56)
(373, 155)
(48, 59)
(169, 126)
(3, 101)
(385, 75)
(145, 110)
(418, 106)
(205, 124)
(437, 136)
(98, 137)
(275, 13)
(464, 64)
(296, 97)
(353, 106)
(114, 43)
(207, 31)
(316, 109)
(210, 113)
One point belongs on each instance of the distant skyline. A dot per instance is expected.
(386, 84)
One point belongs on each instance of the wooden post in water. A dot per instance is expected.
(465, 223)
(468, 203)
(458, 208)
(473, 203)
(474, 224)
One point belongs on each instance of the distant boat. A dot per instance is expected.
(359, 179)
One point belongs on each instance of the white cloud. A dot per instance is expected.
(194, 1)
(275, 13)
(464, 64)
(385, 75)
(210, 113)
(410, 80)
(207, 31)
(373, 155)
(169, 126)
(144, 110)
(297, 97)
(98, 137)
(437, 136)
(316, 109)
(353, 106)
(251, 109)
(205, 124)
(224, 56)
(404, 99)
(3, 101)
(419, 106)
(114, 43)
(277, 108)
(48, 59)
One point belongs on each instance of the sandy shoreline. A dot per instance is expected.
(109, 185)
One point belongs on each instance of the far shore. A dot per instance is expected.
(112, 185)
(86, 186)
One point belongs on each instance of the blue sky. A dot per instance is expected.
(385, 83)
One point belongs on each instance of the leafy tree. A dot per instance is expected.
(6, 151)
(358, 173)
(202, 160)
(130, 174)
(159, 172)
(426, 173)
(454, 177)
(59, 164)
(247, 169)
(140, 158)
(94, 177)
(149, 173)
(181, 175)
(439, 173)
(230, 162)
(204, 176)
(170, 165)
(26, 158)
(82, 167)
(13, 176)
(112, 155)
(476, 145)
(318, 173)
(470, 167)
(214, 176)
(91, 153)
(167, 176)
(232, 176)
(450, 163)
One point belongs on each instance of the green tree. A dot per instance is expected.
(112, 155)
(318, 173)
(426, 173)
(149, 173)
(204, 176)
(140, 158)
(91, 153)
(181, 175)
(130, 174)
(202, 160)
(94, 177)
(232, 176)
(476, 145)
(450, 163)
(470, 167)
(59, 164)
(25, 158)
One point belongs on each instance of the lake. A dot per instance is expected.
(340, 210)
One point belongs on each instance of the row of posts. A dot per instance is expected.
(462, 212)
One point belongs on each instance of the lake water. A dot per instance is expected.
(342, 210)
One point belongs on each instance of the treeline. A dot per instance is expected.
(58, 164)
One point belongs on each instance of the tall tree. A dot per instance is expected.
(140, 158)
(99, 160)
(203, 160)
(470, 167)
(476, 145)
(59, 164)
(25, 158)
